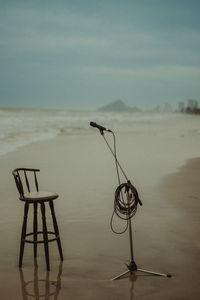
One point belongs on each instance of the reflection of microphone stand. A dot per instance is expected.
(132, 279)
(125, 208)
(34, 285)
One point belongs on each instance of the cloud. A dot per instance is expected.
(32, 29)
(118, 47)
(168, 73)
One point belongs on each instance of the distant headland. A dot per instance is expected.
(119, 106)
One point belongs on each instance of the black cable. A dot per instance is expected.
(125, 209)
(118, 177)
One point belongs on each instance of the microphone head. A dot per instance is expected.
(93, 124)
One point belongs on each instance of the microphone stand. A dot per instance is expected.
(132, 267)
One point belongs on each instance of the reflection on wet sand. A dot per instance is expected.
(133, 278)
(38, 288)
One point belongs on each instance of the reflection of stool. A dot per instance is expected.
(22, 182)
(40, 288)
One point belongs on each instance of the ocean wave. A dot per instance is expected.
(19, 127)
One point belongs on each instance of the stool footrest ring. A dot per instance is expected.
(41, 241)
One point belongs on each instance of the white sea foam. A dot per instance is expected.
(19, 127)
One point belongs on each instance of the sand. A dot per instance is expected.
(164, 166)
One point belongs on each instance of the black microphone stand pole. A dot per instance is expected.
(132, 265)
(114, 156)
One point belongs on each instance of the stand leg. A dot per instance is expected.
(121, 275)
(154, 273)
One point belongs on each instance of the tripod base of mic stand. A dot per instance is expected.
(132, 267)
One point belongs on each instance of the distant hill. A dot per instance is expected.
(118, 106)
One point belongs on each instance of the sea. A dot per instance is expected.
(19, 127)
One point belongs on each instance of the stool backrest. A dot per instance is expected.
(22, 179)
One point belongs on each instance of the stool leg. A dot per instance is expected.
(23, 234)
(56, 229)
(45, 235)
(35, 228)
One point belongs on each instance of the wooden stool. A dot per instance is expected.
(36, 197)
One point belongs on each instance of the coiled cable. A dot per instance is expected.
(126, 198)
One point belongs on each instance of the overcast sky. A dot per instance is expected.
(87, 53)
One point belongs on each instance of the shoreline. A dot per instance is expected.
(49, 126)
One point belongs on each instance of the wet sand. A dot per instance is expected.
(81, 170)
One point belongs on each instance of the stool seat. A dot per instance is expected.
(40, 196)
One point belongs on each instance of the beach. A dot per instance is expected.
(161, 158)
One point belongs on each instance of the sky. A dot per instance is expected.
(88, 53)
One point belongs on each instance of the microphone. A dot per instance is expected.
(101, 128)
